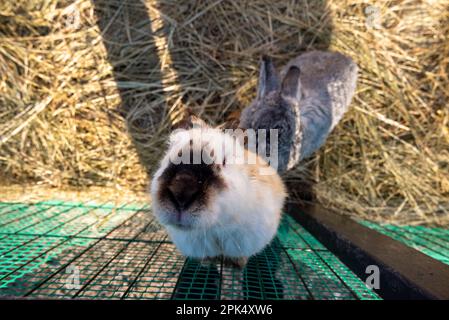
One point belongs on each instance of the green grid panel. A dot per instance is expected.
(347, 276)
(6, 208)
(159, 277)
(87, 266)
(268, 275)
(153, 232)
(104, 224)
(57, 259)
(93, 204)
(132, 227)
(319, 278)
(47, 226)
(140, 226)
(33, 216)
(114, 281)
(88, 223)
(20, 216)
(198, 281)
(46, 266)
(433, 242)
(121, 252)
(439, 232)
(11, 242)
(311, 242)
(288, 235)
(25, 259)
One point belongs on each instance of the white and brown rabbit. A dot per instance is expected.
(304, 102)
(215, 206)
(219, 207)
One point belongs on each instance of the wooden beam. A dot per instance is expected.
(405, 273)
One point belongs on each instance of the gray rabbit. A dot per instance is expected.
(304, 102)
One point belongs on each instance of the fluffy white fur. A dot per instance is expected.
(241, 220)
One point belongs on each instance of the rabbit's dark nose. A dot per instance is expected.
(183, 190)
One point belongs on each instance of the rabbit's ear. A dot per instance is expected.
(291, 85)
(190, 121)
(180, 128)
(268, 78)
(197, 122)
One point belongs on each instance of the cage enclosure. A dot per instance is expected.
(89, 90)
(120, 252)
(86, 250)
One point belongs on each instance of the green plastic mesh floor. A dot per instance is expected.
(67, 250)
(431, 241)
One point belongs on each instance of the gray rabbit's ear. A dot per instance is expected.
(291, 85)
(268, 78)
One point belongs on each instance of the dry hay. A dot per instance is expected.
(94, 194)
(70, 71)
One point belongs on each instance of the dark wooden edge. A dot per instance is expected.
(405, 273)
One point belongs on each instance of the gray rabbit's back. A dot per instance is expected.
(328, 82)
